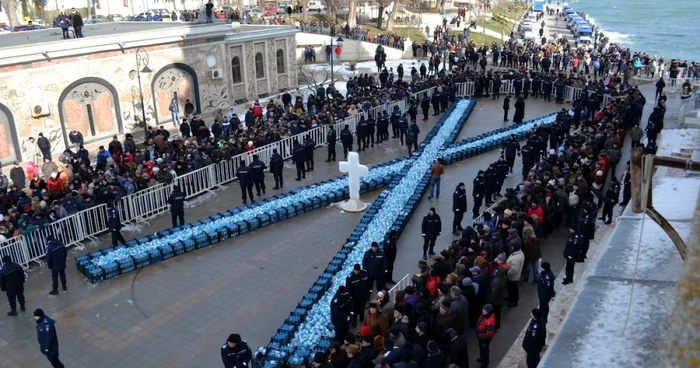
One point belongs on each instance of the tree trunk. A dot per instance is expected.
(10, 9)
(392, 15)
(352, 13)
(380, 14)
(331, 11)
(303, 11)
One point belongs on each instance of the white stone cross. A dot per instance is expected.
(355, 171)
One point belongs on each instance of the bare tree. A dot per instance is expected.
(304, 10)
(10, 8)
(392, 16)
(381, 5)
(315, 75)
(352, 13)
(331, 10)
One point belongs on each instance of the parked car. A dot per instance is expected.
(269, 10)
(39, 23)
(26, 27)
(163, 14)
(94, 21)
(129, 18)
(115, 18)
(315, 6)
(5, 29)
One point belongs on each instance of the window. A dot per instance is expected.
(259, 66)
(236, 69)
(280, 61)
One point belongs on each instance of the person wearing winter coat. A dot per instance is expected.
(545, 289)
(47, 337)
(19, 178)
(374, 261)
(431, 228)
(376, 320)
(535, 338)
(515, 261)
(497, 293)
(459, 307)
(435, 357)
(459, 206)
(443, 321)
(56, 260)
(486, 328)
(457, 351)
(531, 249)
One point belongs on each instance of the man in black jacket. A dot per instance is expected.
(258, 168)
(330, 140)
(545, 289)
(509, 149)
(346, 140)
(177, 206)
(458, 352)
(506, 107)
(12, 283)
(76, 20)
(360, 290)
(389, 249)
(534, 339)
(478, 192)
(245, 179)
(431, 228)
(586, 228)
(611, 198)
(48, 339)
(235, 353)
(490, 183)
(425, 106)
(309, 146)
(56, 260)
(435, 100)
(342, 312)
(276, 167)
(571, 252)
(298, 158)
(374, 262)
(459, 207)
(115, 224)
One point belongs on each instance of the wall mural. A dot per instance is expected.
(90, 109)
(168, 84)
(8, 153)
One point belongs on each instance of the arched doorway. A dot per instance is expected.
(9, 148)
(90, 106)
(177, 81)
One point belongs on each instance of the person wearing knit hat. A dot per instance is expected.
(341, 312)
(376, 320)
(501, 258)
(545, 289)
(365, 331)
(431, 228)
(535, 338)
(47, 336)
(485, 331)
(459, 207)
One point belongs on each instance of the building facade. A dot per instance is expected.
(92, 84)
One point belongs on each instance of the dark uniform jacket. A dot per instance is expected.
(432, 225)
(236, 357)
(573, 246)
(46, 334)
(56, 255)
(258, 169)
(459, 200)
(341, 308)
(276, 163)
(374, 263)
(11, 277)
(358, 285)
(545, 285)
(535, 336)
(244, 176)
(177, 201)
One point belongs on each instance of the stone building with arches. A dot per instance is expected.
(91, 85)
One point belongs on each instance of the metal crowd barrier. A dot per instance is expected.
(402, 284)
(16, 249)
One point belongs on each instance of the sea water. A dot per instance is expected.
(662, 28)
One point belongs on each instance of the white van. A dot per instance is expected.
(315, 6)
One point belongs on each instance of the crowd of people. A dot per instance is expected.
(569, 180)
(358, 33)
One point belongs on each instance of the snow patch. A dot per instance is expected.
(671, 194)
(671, 141)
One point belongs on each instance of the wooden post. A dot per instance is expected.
(636, 179)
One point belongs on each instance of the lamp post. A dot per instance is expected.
(142, 59)
(339, 42)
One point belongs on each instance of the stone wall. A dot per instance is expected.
(98, 95)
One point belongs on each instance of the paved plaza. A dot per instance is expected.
(177, 313)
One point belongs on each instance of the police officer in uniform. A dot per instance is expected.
(276, 167)
(528, 161)
(362, 131)
(360, 291)
(374, 262)
(298, 158)
(611, 197)
(370, 130)
(341, 312)
(435, 100)
(586, 228)
(258, 169)
(501, 167)
(431, 228)
(389, 249)
(12, 283)
(383, 127)
(309, 146)
(534, 339)
(177, 206)
(545, 289)
(510, 147)
(56, 260)
(235, 353)
(490, 184)
(345, 139)
(115, 224)
(245, 179)
(571, 252)
(425, 106)
(330, 139)
(478, 192)
(48, 339)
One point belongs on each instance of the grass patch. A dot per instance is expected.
(511, 11)
(481, 38)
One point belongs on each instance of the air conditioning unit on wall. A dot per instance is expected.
(40, 110)
(216, 74)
